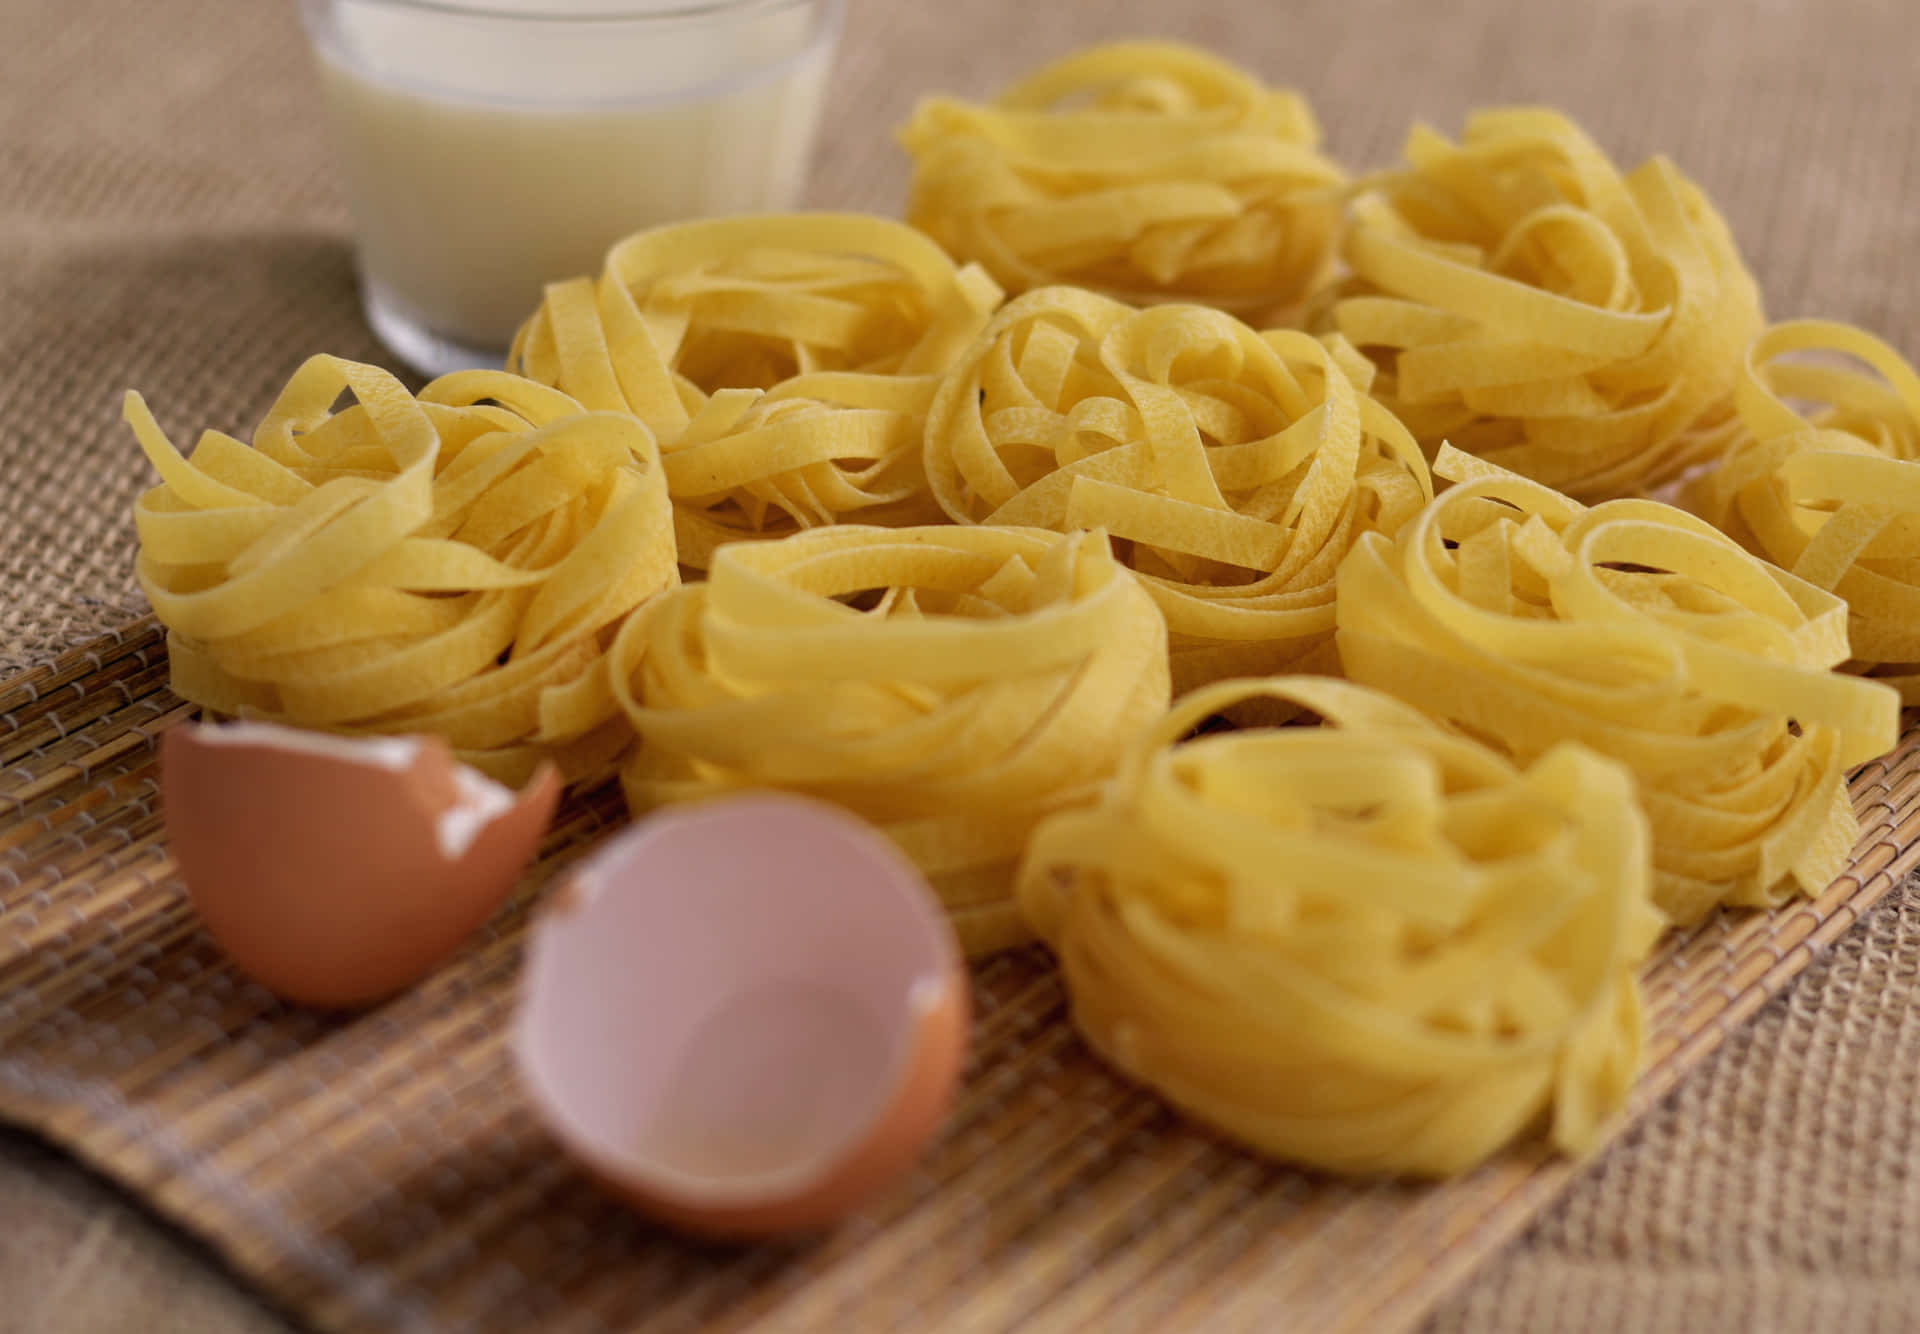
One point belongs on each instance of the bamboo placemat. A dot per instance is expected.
(382, 1171)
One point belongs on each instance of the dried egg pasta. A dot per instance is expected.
(1149, 171)
(1640, 631)
(1832, 494)
(1374, 946)
(1237, 467)
(784, 363)
(952, 685)
(452, 564)
(1532, 306)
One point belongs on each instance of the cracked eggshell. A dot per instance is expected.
(338, 871)
(744, 1017)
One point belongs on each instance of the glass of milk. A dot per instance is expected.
(494, 146)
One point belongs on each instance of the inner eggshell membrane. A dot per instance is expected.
(725, 1003)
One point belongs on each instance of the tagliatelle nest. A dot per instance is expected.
(784, 363)
(443, 564)
(952, 685)
(1640, 631)
(1832, 494)
(1237, 468)
(1374, 946)
(1531, 305)
(1149, 171)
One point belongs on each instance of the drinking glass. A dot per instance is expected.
(493, 146)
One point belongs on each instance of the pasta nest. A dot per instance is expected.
(1149, 171)
(951, 685)
(1374, 946)
(783, 363)
(1832, 493)
(442, 564)
(1532, 306)
(1236, 468)
(1640, 631)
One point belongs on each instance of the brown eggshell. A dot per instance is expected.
(744, 1018)
(316, 864)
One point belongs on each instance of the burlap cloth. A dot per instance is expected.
(170, 219)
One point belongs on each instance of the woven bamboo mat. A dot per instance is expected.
(382, 1171)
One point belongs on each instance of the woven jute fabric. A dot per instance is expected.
(170, 219)
(383, 1170)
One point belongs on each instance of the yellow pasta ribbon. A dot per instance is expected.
(1146, 170)
(1832, 493)
(452, 564)
(1533, 306)
(1374, 946)
(1637, 629)
(952, 685)
(1237, 468)
(784, 363)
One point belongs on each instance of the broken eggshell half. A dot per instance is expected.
(744, 1017)
(336, 871)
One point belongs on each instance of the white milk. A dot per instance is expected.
(488, 154)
